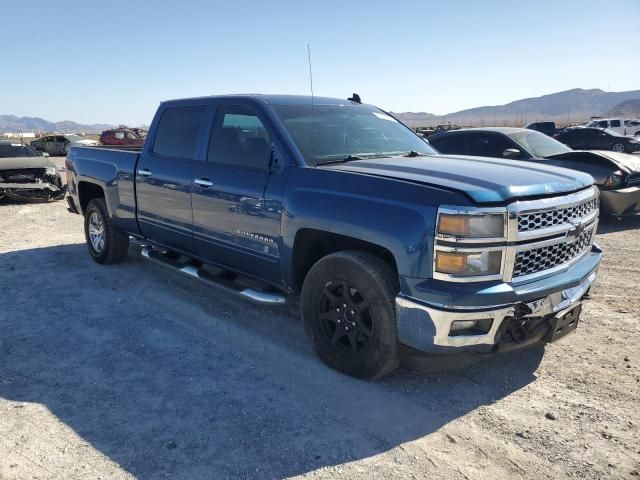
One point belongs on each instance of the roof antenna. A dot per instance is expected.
(313, 113)
(355, 98)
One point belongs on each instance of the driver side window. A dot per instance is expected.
(239, 138)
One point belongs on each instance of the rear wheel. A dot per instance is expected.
(618, 147)
(348, 306)
(106, 243)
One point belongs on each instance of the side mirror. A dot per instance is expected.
(511, 153)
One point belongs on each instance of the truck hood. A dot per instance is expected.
(485, 180)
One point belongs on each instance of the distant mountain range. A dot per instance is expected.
(628, 108)
(575, 105)
(11, 123)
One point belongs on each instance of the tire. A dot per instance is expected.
(618, 147)
(360, 340)
(98, 225)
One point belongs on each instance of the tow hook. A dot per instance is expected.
(522, 310)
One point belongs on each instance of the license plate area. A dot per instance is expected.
(564, 323)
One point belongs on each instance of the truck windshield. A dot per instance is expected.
(539, 144)
(348, 132)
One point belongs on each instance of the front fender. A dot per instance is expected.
(395, 215)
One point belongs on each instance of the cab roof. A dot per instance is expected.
(505, 130)
(273, 99)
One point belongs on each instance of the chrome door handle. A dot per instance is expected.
(203, 182)
(144, 172)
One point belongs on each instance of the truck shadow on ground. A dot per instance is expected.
(610, 224)
(168, 378)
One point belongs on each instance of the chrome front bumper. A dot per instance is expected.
(427, 327)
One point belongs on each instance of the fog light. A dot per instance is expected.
(463, 324)
(471, 327)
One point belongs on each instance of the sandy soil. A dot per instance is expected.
(134, 371)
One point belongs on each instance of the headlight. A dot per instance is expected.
(472, 226)
(469, 264)
(51, 171)
(614, 180)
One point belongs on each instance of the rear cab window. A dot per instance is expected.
(178, 130)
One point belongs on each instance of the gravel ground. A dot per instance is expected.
(134, 371)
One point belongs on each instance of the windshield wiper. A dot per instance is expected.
(348, 158)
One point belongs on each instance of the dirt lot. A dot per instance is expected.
(133, 371)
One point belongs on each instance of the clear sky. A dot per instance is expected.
(95, 61)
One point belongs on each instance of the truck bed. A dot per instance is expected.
(114, 170)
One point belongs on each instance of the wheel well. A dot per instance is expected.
(311, 245)
(87, 192)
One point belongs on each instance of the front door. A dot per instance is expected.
(164, 177)
(232, 226)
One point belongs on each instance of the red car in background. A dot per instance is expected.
(123, 136)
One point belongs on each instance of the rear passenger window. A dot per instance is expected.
(615, 123)
(177, 133)
(452, 144)
(120, 135)
(488, 145)
(238, 138)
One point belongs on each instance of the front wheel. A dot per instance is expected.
(618, 147)
(348, 307)
(106, 243)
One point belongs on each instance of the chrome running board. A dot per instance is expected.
(257, 296)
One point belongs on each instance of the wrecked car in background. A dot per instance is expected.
(27, 176)
(59, 144)
(122, 136)
(617, 175)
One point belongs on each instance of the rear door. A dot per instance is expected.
(577, 139)
(60, 145)
(617, 126)
(233, 224)
(46, 144)
(594, 139)
(164, 176)
(491, 144)
(450, 143)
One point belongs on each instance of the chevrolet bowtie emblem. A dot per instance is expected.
(575, 232)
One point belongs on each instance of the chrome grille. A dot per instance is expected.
(543, 258)
(552, 217)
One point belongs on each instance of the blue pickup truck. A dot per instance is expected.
(396, 252)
